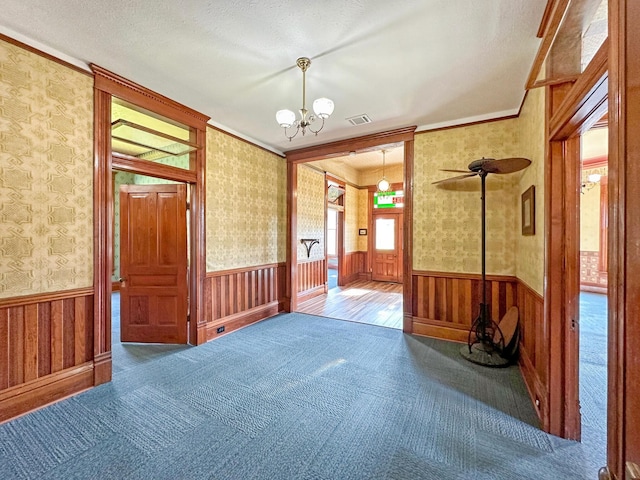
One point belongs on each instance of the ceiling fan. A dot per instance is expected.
(488, 337)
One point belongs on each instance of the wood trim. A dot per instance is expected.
(213, 127)
(454, 301)
(534, 348)
(407, 237)
(623, 442)
(130, 91)
(44, 391)
(546, 18)
(595, 162)
(549, 26)
(470, 124)
(310, 293)
(311, 274)
(468, 276)
(153, 169)
(231, 271)
(343, 147)
(197, 226)
(232, 293)
(102, 226)
(586, 102)
(48, 56)
(45, 297)
(239, 320)
(291, 296)
(439, 329)
(604, 224)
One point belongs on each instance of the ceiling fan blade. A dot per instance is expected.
(452, 170)
(503, 165)
(455, 179)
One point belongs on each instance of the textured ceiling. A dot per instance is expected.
(416, 62)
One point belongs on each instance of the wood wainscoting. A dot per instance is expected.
(312, 279)
(46, 349)
(355, 267)
(446, 304)
(533, 348)
(242, 296)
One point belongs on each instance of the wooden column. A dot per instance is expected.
(623, 442)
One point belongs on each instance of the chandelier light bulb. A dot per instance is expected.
(383, 185)
(285, 118)
(323, 107)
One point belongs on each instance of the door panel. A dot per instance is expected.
(153, 293)
(387, 248)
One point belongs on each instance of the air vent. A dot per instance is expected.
(359, 119)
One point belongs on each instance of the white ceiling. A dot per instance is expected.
(428, 63)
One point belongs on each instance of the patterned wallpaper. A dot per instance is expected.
(46, 175)
(530, 249)
(310, 212)
(447, 220)
(363, 218)
(120, 178)
(351, 214)
(590, 212)
(246, 218)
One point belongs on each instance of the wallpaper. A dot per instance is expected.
(530, 249)
(311, 186)
(447, 219)
(590, 212)
(246, 204)
(46, 175)
(120, 178)
(363, 218)
(351, 219)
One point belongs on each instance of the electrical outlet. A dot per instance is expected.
(220, 329)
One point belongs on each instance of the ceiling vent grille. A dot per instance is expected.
(359, 119)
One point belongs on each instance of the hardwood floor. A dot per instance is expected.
(375, 303)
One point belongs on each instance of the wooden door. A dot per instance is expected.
(387, 248)
(153, 263)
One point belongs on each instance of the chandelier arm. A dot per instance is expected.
(293, 136)
(315, 132)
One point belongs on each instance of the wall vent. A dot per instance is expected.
(359, 119)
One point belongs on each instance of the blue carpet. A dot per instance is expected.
(593, 377)
(293, 397)
(332, 277)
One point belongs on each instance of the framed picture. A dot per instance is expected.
(529, 211)
(362, 231)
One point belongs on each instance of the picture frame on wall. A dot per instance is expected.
(529, 211)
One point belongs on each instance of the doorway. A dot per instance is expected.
(370, 287)
(593, 303)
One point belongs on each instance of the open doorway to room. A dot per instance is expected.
(151, 240)
(593, 291)
(364, 236)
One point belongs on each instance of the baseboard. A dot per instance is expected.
(26, 397)
(351, 278)
(438, 329)
(364, 276)
(239, 320)
(102, 368)
(312, 292)
(534, 385)
(585, 287)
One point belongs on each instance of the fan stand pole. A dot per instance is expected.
(483, 178)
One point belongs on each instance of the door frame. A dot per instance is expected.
(343, 148)
(623, 442)
(398, 214)
(106, 86)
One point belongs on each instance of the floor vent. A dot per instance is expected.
(359, 119)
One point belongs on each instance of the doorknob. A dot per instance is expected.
(121, 279)
(633, 472)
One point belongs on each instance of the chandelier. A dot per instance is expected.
(322, 107)
(383, 184)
